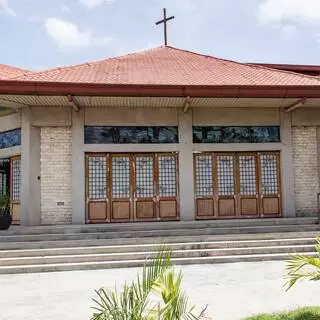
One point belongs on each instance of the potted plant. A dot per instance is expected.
(5, 216)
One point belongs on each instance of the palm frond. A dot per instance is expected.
(303, 268)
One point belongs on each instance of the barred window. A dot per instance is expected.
(203, 168)
(225, 175)
(16, 180)
(144, 177)
(269, 174)
(120, 177)
(248, 176)
(167, 176)
(97, 177)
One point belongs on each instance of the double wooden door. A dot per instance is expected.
(231, 185)
(131, 187)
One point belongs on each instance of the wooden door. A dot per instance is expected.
(15, 188)
(121, 176)
(144, 188)
(270, 195)
(96, 188)
(203, 171)
(226, 185)
(167, 186)
(248, 185)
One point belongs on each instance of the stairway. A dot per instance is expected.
(64, 248)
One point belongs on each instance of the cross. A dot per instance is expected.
(164, 21)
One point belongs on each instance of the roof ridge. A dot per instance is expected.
(251, 65)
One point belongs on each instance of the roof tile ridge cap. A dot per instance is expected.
(252, 65)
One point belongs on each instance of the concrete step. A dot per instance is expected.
(138, 263)
(142, 255)
(63, 251)
(45, 244)
(159, 233)
(172, 225)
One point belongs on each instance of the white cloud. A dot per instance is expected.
(68, 36)
(299, 11)
(4, 5)
(64, 8)
(91, 4)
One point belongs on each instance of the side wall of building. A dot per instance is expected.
(306, 156)
(56, 175)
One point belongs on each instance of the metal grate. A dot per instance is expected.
(16, 180)
(144, 177)
(269, 174)
(121, 177)
(225, 175)
(204, 183)
(248, 176)
(97, 177)
(167, 176)
(3, 183)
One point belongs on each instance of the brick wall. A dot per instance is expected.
(305, 162)
(56, 175)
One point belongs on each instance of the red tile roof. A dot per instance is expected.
(172, 67)
(7, 72)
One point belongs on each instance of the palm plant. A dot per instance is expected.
(304, 268)
(157, 280)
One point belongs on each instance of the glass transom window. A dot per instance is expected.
(256, 134)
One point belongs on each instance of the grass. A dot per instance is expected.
(309, 313)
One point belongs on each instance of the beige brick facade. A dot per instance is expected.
(305, 161)
(56, 175)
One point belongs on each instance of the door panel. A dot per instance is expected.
(248, 183)
(96, 188)
(167, 186)
(270, 184)
(203, 171)
(121, 188)
(225, 181)
(144, 187)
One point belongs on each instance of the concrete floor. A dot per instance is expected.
(231, 290)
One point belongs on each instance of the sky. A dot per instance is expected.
(42, 34)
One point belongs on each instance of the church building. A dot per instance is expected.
(159, 135)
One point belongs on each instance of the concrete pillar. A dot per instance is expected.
(287, 171)
(187, 209)
(30, 214)
(78, 168)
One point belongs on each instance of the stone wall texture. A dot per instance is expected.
(306, 174)
(56, 175)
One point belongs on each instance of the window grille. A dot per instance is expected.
(120, 177)
(204, 183)
(144, 177)
(97, 177)
(225, 175)
(16, 179)
(167, 176)
(269, 174)
(248, 178)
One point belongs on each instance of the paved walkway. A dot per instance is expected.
(231, 290)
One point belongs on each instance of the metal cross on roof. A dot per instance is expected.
(164, 21)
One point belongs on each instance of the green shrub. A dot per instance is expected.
(309, 313)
